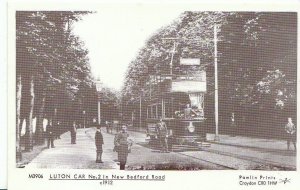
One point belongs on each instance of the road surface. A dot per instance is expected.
(233, 153)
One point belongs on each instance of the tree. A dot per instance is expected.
(252, 46)
(51, 61)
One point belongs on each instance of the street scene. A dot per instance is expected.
(181, 90)
(219, 156)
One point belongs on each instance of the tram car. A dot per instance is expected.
(178, 100)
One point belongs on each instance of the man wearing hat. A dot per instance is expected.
(122, 143)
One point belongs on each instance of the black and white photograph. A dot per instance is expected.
(125, 88)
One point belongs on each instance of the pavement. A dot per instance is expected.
(81, 155)
(229, 153)
(250, 142)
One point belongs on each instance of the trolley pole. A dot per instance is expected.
(173, 52)
(172, 58)
(216, 84)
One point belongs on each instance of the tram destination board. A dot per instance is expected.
(188, 86)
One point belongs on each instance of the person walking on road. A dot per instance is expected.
(99, 142)
(163, 135)
(291, 133)
(50, 135)
(122, 145)
(73, 133)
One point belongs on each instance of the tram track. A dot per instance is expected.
(252, 159)
(207, 161)
(259, 162)
(255, 162)
(241, 158)
(227, 160)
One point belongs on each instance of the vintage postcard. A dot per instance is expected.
(152, 95)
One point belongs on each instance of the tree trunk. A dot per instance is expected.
(39, 138)
(18, 122)
(29, 121)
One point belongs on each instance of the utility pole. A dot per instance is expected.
(99, 88)
(216, 84)
(140, 110)
(99, 110)
(54, 122)
(121, 103)
(83, 118)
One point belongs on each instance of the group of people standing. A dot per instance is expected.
(122, 145)
(122, 142)
(53, 133)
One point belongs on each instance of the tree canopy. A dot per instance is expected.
(256, 58)
(52, 67)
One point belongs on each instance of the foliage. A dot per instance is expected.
(256, 59)
(56, 59)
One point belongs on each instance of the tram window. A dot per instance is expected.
(159, 113)
(168, 108)
(152, 114)
(153, 111)
(147, 112)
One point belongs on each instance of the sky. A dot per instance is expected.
(114, 35)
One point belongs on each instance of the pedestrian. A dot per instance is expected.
(122, 145)
(232, 125)
(108, 127)
(291, 133)
(73, 133)
(50, 135)
(99, 142)
(57, 130)
(163, 135)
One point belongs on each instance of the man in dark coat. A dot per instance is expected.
(50, 135)
(73, 133)
(122, 144)
(57, 130)
(99, 142)
(291, 133)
